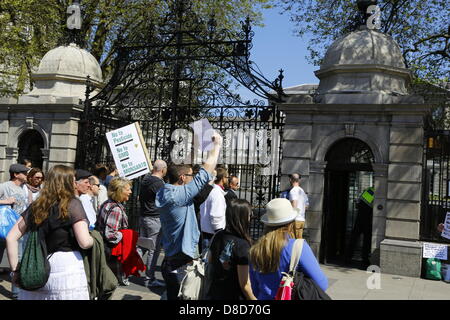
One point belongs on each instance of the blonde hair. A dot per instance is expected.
(58, 188)
(116, 186)
(266, 252)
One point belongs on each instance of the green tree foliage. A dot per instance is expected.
(421, 28)
(30, 28)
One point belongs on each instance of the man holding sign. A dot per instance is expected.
(445, 227)
(180, 233)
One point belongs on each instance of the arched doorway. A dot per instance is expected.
(348, 172)
(30, 147)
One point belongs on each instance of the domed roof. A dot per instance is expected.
(364, 66)
(364, 47)
(71, 61)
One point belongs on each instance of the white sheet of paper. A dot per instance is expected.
(203, 132)
(435, 250)
(446, 232)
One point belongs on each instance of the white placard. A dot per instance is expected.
(129, 151)
(446, 232)
(434, 250)
(203, 132)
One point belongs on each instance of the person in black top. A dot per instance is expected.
(150, 224)
(229, 255)
(233, 186)
(62, 220)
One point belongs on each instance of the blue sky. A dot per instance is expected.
(275, 47)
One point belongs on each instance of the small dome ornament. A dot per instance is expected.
(364, 66)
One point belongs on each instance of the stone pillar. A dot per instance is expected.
(45, 157)
(63, 142)
(4, 140)
(296, 153)
(314, 213)
(401, 251)
(380, 175)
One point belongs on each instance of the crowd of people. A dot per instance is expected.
(184, 211)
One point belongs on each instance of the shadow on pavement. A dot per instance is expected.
(131, 297)
(142, 283)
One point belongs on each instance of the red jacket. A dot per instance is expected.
(126, 253)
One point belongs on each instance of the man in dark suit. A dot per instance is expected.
(233, 186)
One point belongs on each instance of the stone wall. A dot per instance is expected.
(395, 135)
(57, 124)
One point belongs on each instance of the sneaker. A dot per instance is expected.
(125, 281)
(156, 283)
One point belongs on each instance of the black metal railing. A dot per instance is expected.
(436, 184)
(185, 72)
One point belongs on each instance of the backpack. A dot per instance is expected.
(433, 269)
(34, 268)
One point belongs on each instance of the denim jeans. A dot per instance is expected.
(150, 228)
(22, 242)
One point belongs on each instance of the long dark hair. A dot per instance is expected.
(237, 215)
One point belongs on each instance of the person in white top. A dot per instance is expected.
(98, 192)
(299, 200)
(84, 193)
(212, 211)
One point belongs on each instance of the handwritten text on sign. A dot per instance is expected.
(129, 151)
(434, 250)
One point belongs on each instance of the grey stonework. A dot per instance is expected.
(52, 108)
(363, 94)
(397, 168)
(57, 124)
(403, 256)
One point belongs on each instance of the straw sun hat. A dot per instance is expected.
(279, 212)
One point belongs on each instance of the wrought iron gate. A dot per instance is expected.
(184, 73)
(436, 184)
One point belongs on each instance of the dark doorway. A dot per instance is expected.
(348, 173)
(30, 146)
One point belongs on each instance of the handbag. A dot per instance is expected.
(197, 281)
(306, 288)
(285, 289)
(34, 268)
(8, 218)
(192, 283)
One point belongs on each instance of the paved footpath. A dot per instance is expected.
(344, 284)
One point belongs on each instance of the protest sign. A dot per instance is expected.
(129, 151)
(203, 132)
(446, 232)
(434, 250)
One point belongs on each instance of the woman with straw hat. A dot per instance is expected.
(271, 254)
